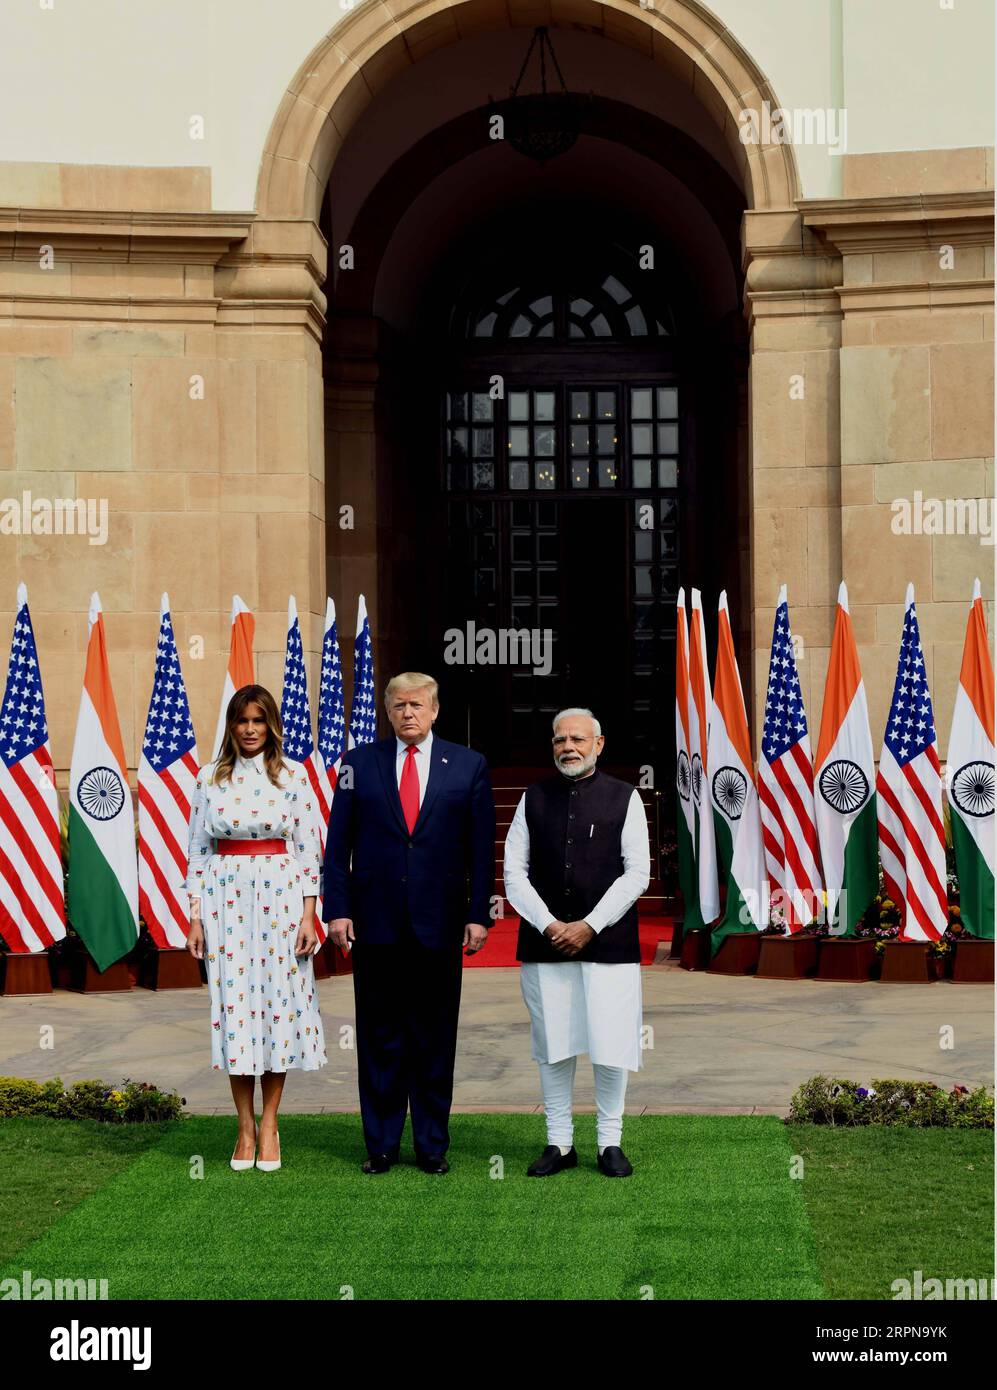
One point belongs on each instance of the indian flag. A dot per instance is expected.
(103, 863)
(845, 784)
(971, 777)
(239, 671)
(692, 920)
(736, 815)
(699, 710)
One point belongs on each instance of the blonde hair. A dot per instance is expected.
(411, 680)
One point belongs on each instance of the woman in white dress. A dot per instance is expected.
(253, 876)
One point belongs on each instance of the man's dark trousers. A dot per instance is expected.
(407, 1004)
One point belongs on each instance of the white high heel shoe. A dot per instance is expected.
(270, 1165)
(241, 1164)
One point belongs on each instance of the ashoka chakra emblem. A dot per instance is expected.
(730, 791)
(683, 777)
(697, 777)
(844, 786)
(100, 793)
(973, 789)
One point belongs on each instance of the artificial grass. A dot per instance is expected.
(884, 1202)
(711, 1212)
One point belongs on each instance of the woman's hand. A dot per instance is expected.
(307, 942)
(195, 939)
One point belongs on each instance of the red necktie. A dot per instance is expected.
(408, 789)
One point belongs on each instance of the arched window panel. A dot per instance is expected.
(585, 307)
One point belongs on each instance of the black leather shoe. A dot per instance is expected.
(378, 1163)
(614, 1162)
(433, 1163)
(552, 1160)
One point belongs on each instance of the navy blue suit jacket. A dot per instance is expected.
(440, 877)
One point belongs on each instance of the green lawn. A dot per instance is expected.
(711, 1211)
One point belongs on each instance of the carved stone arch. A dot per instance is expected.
(381, 38)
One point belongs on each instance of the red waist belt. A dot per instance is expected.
(251, 847)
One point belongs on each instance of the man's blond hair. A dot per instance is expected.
(411, 680)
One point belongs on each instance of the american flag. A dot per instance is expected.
(32, 900)
(909, 800)
(166, 774)
(363, 710)
(331, 704)
(296, 716)
(786, 786)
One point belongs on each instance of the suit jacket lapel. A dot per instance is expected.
(438, 768)
(387, 751)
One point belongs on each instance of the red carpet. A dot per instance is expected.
(501, 947)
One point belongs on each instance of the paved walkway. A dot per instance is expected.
(720, 1044)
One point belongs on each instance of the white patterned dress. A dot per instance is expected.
(264, 1009)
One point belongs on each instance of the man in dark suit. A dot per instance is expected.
(409, 874)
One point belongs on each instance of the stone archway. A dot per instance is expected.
(379, 40)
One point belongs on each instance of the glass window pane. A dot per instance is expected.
(579, 439)
(543, 405)
(668, 439)
(481, 405)
(458, 442)
(484, 473)
(543, 475)
(600, 327)
(519, 474)
(613, 287)
(579, 473)
(668, 473)
(519, 405)
(606, 439)
(482, 444)
(642, 581)
(543, 306)
(485, 326)
(643, 545)
(543, 443)
(458, 476)
(605, 404)
(547, 548)
(519, 441)
(579, 405)
(522, 583)
(640, 403)
(522, 327)
(458, 405)
(636, 322)
(607, 472)
(580, 307)
(642, 472)
(640, 439)
(668, 402)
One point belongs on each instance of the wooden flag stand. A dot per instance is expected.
(973, 961)
(738, 954)
(787, 957)
(846, 958)
(908, 962)
(695, 949)
(171, 968)
(87, 979)
(24, 972)
(328, 960)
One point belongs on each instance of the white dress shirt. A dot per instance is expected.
(621, 894)
(422, 752)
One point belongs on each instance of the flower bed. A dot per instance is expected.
(131, 1102)
(827, 1100)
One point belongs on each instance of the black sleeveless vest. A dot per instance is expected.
(575, 828)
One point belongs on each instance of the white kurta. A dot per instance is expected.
(582, 1006)
(264, 1009)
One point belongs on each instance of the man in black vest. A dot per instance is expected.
(576, 861)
